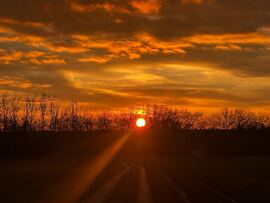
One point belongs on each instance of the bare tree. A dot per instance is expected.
(29, 122)
(86, 122)
(264, 120)
(14, 109)
(64, 120)
(54, 106)
(162, 116)
(43, 101)
(223, 120)
(5, 109)
(104, 120)
(188, 120)
(73, 115)
(52, 117)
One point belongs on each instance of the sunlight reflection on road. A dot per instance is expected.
(74, 186)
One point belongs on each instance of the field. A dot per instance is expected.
(156, 166)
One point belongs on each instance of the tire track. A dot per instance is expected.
(102, 193)
(197, 190)
(221, 194)
(144, 193)
(145, 196)
(174, 187)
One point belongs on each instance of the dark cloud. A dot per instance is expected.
(173, 19)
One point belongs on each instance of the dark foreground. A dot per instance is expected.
(136, 168)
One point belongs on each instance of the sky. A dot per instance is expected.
(195, 54)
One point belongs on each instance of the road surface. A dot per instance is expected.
(131, 182)
(113, 176)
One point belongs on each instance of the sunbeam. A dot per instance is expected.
(74, 186)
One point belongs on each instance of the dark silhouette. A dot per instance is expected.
(48, 114)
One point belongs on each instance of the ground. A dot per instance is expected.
(117, 174)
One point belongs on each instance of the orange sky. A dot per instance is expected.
(196, 54)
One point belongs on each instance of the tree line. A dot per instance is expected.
(44, 113)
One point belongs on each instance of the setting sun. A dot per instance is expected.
(140, 122)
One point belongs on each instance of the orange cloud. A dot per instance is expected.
(249, 38)
(229, 47)
(7, 58)
(141, 6)
(76, 48)
(47, 61)
(15, 22)
(146, 6)
(141, 44)
(195, 1)
(39, 42)
(96, 59)
(20, 83)
(34, 54)
(106, 6)
(130, 48)
(34, 57)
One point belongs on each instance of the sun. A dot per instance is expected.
(140, 122)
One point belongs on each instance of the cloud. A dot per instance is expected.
(244, 38)
(229, 47)
(96, 59)
(146, 6)
(194, 1)
(139, 6)
(119, 52)
(34, 57)
(47, 61)
(173, 18)
(134, 48)
(90, 7)
(20, 83)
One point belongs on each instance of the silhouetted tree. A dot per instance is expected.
(29, 122)
(104, 120)
(188, 120)
(73, 115)
(86, 122)
(5, 109)
(43, 101)
(14, 109)
(54, 106)
(45, 113)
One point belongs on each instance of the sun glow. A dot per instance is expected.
(140, 122)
